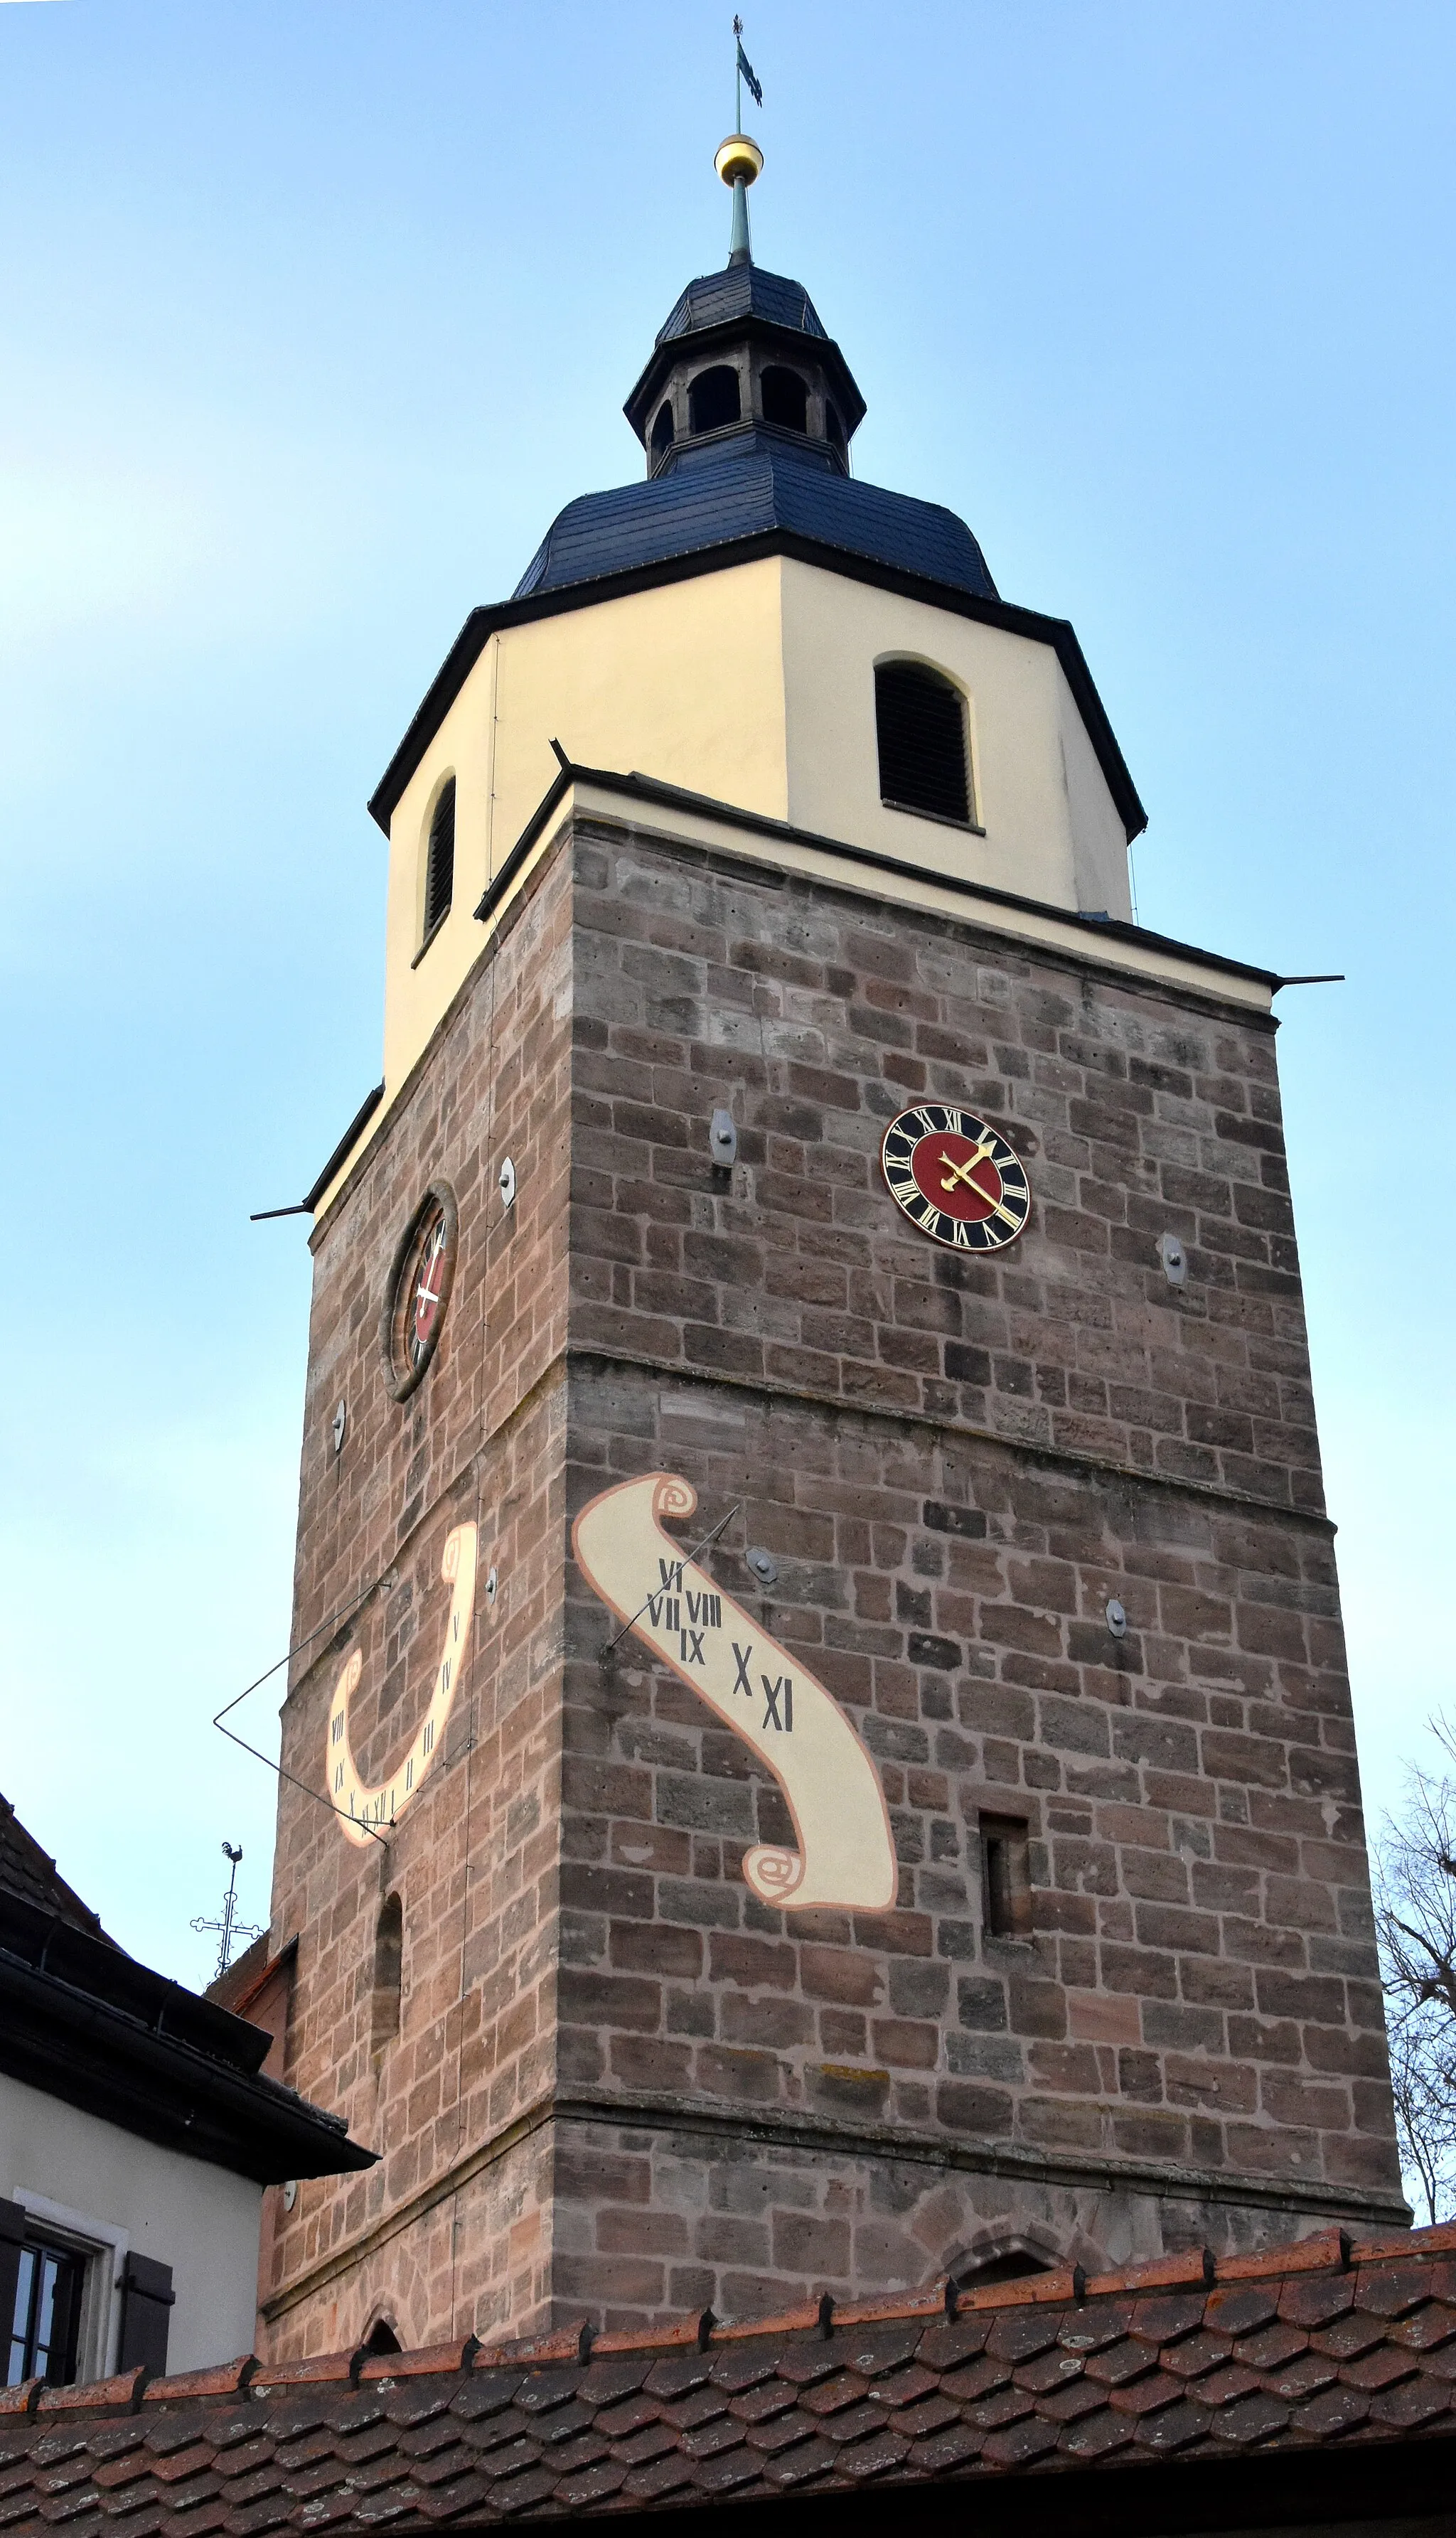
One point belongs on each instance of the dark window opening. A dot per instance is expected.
(381, 2338)
(389, 1964)
(713, 399)
(785, 399)
(921, 720)
(45, 2328)
(1005, 1878)
(439, 859)
(662, 430)
(1012, 2267)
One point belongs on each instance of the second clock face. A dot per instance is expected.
(418, 1291)
(957, 1179)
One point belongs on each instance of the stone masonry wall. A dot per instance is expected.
(474, 1859)
(955, 1463)
(620, 2085)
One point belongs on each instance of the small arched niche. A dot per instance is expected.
(381, 2338)
(786, 398)
(389, 1967)
(439, 861)
(662, 430)
(921, 730)
(714, 399)
(1010, 2266)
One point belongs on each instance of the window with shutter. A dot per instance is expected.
(920, 724)
(45, 2312)
(439, 859)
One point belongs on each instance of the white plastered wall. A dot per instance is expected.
(103, 2185)
(684, 682)
(1053, 831)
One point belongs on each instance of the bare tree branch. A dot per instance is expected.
(1416, 1927)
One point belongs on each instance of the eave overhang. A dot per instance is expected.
(482, 623)
(696, 817)
(85, 2023)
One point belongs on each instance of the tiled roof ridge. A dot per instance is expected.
(29, 1871)
(1327, 2250)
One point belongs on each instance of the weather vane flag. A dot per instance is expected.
(745, 73)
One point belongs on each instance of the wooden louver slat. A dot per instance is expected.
(920, 722)
(439, 866)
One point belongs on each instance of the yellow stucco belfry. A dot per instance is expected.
(741, 670)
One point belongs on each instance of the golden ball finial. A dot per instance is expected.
(738, 158)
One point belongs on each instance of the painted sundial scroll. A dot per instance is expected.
(361, 1809)
(845, 1856)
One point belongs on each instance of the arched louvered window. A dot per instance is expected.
(662, 430)
(389, 1967)
(713, 399)
(786, 398)
(920, 723)
(439, 859)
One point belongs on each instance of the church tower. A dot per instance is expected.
(818, 1749)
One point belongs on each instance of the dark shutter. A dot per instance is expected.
(12, 2239)
(146, 2297)
(440, 865)
(921, 720)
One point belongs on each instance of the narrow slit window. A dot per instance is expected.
(662, 431)
(1005, 1878)
(439, 859)
(389, 1961)
(920, 724)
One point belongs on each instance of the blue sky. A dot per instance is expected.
(312, 316)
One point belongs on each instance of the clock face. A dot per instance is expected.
(425, 1301)
(419, 1290)
(957, 1179)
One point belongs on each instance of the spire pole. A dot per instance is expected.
(739, 160)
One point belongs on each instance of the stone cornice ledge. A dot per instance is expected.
(1107, 2175)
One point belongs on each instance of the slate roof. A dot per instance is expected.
(751, 482)
(30, 1872)
(740, 291)
(1327, 2367)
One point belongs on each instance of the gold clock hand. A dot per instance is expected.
(963, 1172)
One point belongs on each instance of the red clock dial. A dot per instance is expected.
(419, 1290)
(956, 1178)
(427, 1300)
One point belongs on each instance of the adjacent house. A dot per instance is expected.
(138, 2130)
